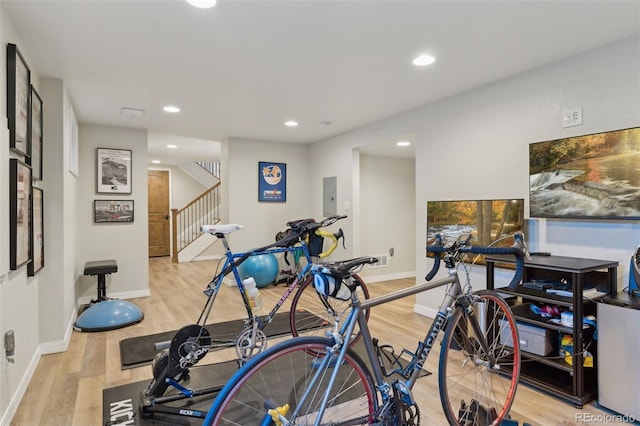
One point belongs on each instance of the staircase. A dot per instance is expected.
(187, 221)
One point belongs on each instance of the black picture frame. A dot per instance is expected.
(37, 232)
(594, 176)
(18, 98)
(272, 182)
(19, 213)
(113, 171)
(36, 137)
(110, 211)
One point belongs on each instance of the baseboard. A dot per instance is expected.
(60, 345)
(425, 311)
(207, 257)
(12, 408)
(85, 300)
(389, 277)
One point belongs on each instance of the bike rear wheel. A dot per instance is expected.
(283, 375)
(314, 315)
(476, 384)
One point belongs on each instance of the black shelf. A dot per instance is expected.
(572, 383)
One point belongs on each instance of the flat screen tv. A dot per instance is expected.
(593, 176)
(488, 221)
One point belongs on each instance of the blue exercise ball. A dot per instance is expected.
(263, 268)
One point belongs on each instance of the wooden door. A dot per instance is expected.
(159, 214)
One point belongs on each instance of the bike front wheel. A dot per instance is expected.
(313, 314)
(478, 382)
(293, 377)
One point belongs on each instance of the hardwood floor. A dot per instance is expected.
(66, 388)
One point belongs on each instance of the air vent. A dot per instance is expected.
(132, 112)
(383, 261)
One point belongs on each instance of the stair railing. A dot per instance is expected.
(187, 221)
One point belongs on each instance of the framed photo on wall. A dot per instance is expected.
(19, 209)
(37, 232)
(114, 171)
(112, 211)
(18, 94)
(35, 135)
(272, 182)
(593, 176)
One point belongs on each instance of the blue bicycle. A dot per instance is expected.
(311, 313)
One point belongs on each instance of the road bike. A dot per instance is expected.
(311, 313)
(323, 381)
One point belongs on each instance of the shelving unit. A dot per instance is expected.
(574, 383)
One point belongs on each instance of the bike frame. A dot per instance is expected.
(231, 264)
(356, 315)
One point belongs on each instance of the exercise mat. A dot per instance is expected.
(139, 351)
(121, 404)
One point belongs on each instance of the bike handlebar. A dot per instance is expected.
(518, 249)
(302, 228)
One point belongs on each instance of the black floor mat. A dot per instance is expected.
(139, 351)
(121, 403)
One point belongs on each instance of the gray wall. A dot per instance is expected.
(127, 243)
(485, 133)
(262, 220)
(387, 205)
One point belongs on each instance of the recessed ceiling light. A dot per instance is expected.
(423, 60)
(171, 109)
(291, 123)
(203, 4)
(155, 161)
(403, 143)
(172, 146)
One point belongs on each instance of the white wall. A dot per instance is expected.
(387, 204)
(263, 220)
(184, 188)
(19, 299)
(475, 145)
(127, 243)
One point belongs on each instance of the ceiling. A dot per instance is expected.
(242, 68)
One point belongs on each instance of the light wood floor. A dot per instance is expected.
(66, 388)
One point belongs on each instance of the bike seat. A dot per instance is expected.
(344, 268)
(221, 229)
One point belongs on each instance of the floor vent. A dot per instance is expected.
(383, 261)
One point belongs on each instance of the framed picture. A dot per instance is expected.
(37, 232)
(593, 176)
(114, 171)
(112, 211)
(18, 93)
(19, 206)
(73, 144)
(272, 182)
(35, 135)
(488, 221)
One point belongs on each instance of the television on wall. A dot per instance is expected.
(594, 176)
(490, 222)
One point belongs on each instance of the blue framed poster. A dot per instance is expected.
(272, 182)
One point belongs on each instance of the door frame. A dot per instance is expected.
(170, 171)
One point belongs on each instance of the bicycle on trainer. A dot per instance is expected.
(321, 381)
(311, 313)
